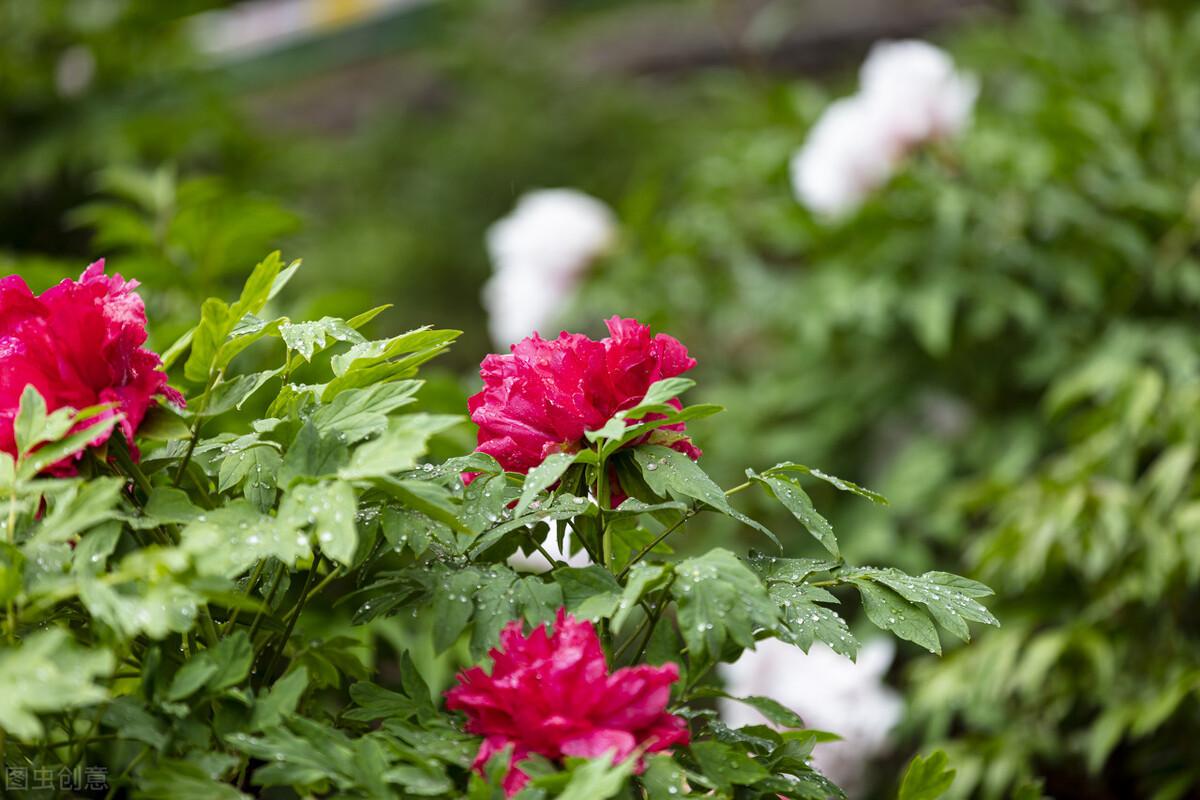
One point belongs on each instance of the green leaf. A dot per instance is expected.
(542, 477)
(231, 394)
(48, 673)
(80, 439)
(589, 592)
(359, 413)
(330, 507)
(423, 343)
(798, 502)
(926, 778)
(658, 394)
(398, 449)
(453, 605)
(30, 422)
(720, 598)
(173, 779)
(132, 721)
(805, 621)
(939, 592)
(726, 766)
(790, 570)
(258, 287)
(80, 508)
(666, 470)
(12, 569)
(155, 609)
(643, 578)
(280, 701)
(597, 778)
(220, 667)
(162, 423)
(833, 480)
(889, 611)
(664, 779)
(216, 322)
(309, 338)
(312, 455)
(374, 702)
(771, 709)
(229, 540)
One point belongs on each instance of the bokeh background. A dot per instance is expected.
(1002, 339)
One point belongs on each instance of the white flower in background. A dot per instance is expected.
(536, 562)
(539, 252)
(920, 94)
(843, 159)
(829, 692)
(909, 93)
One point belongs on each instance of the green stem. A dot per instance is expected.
(112, 790)
(657, 615)
(657, 541)
(739, 488)
(213, 380)
(305, 594)
(10, 609)
(551, 560)
(602, 503)
(250, 584)
(258, 617)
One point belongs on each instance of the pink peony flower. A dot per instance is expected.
(552, 694)
(79, 344)
(540, 398)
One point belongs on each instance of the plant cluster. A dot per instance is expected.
(166, 577)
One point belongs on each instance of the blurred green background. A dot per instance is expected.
(1003, 340)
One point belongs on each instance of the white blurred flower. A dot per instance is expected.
(920, 93)
(536, 562)
(909, 93)
(844, 158)
(829, 692)
(539, 252)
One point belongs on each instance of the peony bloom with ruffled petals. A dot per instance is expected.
(540, 398)
(552, 694)
(79, 344)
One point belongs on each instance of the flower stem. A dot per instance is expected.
(213, 380)
(10, 610)
(657, 541)
(305, 593)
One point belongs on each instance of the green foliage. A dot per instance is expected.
(163, 616)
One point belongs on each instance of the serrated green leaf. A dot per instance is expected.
(330, 508)
(669, 471)
(280, 701)
(542, 477)
(589, 592)
(359, 413)
(726, 766)
(310, 338)
(398, 449)
(926, 778)
(889, 611)
(798, 502)
(47, 673)
(805, 621)
(720, 598)
(832, 480)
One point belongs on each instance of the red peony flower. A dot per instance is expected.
(79, 344)
(552, 694)
(541, 398)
